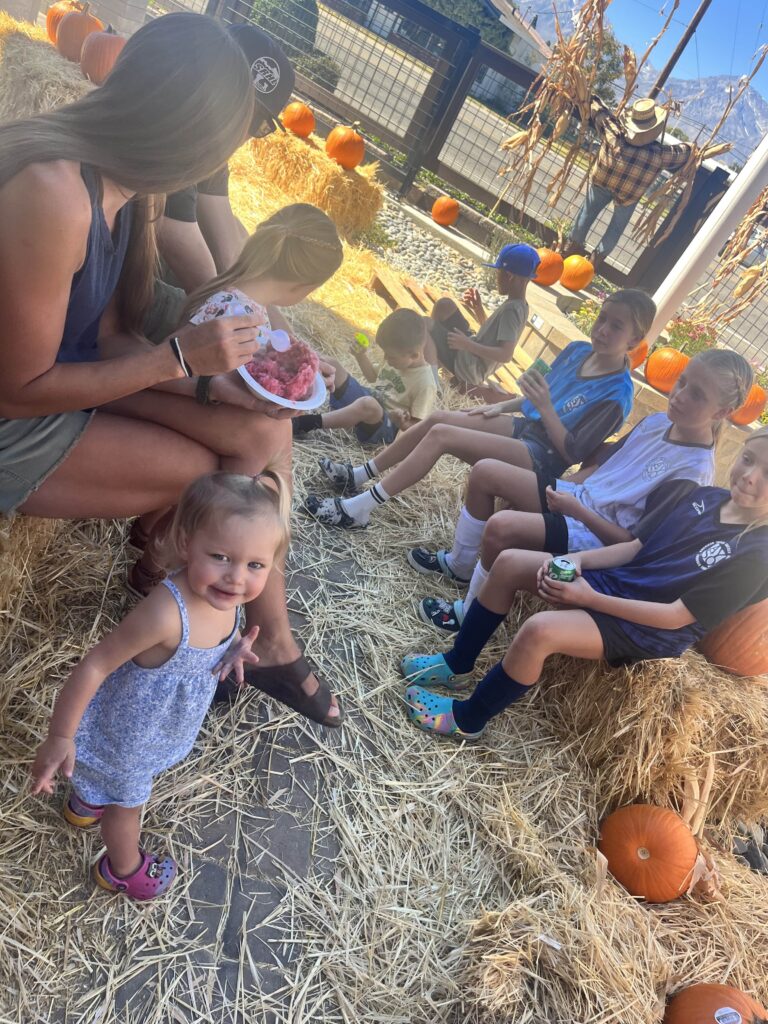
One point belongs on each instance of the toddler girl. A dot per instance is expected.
(564, 417)
(651, 597)
(605, 502)
(134, 705)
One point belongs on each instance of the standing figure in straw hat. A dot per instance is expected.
(632, 155)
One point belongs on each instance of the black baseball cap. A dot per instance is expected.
(272, 74)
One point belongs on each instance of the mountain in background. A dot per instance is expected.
(703, 99)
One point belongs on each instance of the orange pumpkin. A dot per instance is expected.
(56, 12)
(74, 29)
(740, 644)
(99, 53)
(710, 1004)
(299, 119)
(650, 851)
(550, 267)
(577, 273)
(754, 405)
(445, 211)
(638, 354)
(664, 366)
(346, 146)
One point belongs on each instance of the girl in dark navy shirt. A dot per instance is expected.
(652, 597)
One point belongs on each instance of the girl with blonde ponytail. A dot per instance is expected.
(288, 255)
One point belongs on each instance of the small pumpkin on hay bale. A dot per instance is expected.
(34, 78)
(301, 168)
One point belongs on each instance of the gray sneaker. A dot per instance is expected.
(339, 475)
(425, 561)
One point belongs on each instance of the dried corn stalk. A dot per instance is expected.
(749, 284)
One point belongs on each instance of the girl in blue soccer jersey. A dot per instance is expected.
(561, 418)
(651, 597)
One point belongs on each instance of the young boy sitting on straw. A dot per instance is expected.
(403, 390)
(473, 358)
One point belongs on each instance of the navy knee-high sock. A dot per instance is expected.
(494, 692)
(478, 627)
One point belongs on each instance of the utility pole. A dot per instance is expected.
(667, 69)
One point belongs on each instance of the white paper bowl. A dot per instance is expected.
(314, 401)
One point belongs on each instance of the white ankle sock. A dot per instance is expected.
(466, 543)
(361, 506)
(479, 576)
(362, 474)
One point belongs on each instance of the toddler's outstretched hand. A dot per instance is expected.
(239, 655)
(54, 754)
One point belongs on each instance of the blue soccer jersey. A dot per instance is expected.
(590, 408)
(715, 568)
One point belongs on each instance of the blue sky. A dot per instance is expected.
(724, 43)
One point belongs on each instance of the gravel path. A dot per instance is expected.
(420, 254)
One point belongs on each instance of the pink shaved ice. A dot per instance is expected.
(289, 374)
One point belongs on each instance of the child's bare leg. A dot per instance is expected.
(405, 442)
(568, 632)
(491, 478)
(446, 439)
(363, 410)
(511, 530)
(120, 830)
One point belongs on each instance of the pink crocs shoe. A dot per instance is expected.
(154, 877)
(80, 814)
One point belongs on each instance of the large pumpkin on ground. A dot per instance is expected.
(299, 119)
(638, 354)
(550, 267)
(74, 29)
(713, 1004)
(740, 644)
(577, 273)
(650, 851)
(664, 366)
(55, 13)
(445, 211)
(346, 146)
(99, 53)
(754, 405)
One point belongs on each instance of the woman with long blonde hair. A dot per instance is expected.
(77, 262)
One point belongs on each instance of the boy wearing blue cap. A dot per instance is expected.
(473, 358)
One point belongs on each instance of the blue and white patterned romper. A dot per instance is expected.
(144, 720)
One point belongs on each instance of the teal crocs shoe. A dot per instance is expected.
(433, 668)
(432, 713)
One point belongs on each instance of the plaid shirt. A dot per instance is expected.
(628, 171)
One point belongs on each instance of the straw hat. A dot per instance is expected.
(644, 122)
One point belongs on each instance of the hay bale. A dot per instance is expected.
(645, 730)
(301, 168)
(574, 946)
(34, 78)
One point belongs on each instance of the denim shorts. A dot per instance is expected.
(383, 432)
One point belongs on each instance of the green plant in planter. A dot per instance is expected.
(690, 338)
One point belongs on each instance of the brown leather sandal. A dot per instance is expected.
(283, 682)
(141, 581)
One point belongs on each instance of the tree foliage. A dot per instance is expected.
(292, 22)
(474, 14)
(610, 67)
